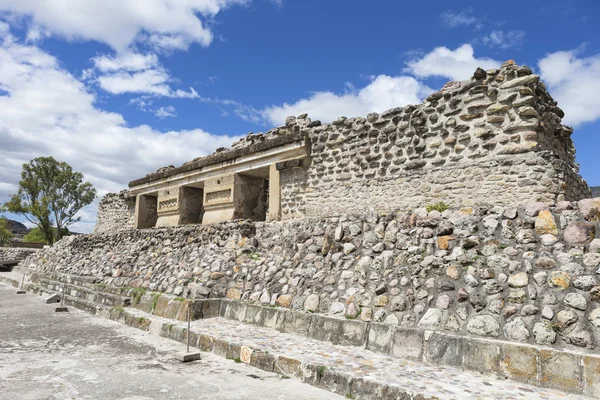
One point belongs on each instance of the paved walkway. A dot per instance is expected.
(419, 378)
(48, 355)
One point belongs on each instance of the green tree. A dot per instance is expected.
(37, 236)
(5, 234)
(49, 195)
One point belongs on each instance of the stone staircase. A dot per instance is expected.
(356, 359)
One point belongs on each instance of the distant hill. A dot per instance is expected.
(595, 191)
(17, 229)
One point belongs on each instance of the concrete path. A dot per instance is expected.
(48, 355)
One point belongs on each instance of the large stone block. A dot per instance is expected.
(274, 318)
(161, 305)
(482, 356)
(408, 343)
(296, 322)
(380, 337)
(326, 329)
(519, 362)
(591, 375)
(210, 308)
(366, 389)
(220, 347)
(205, 342)
(354, 333)
(234, 350)
(254, 315)
(288, 367)
(334, 381)
(443, 349)
(561, 370)
(262, 360)
(236, 310)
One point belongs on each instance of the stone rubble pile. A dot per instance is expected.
(527, 273)
(15, 253)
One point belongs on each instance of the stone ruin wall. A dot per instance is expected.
(496, 138)
(115, 213)
(528, 274)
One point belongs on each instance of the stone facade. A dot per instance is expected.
(526, 274)
(496, 136)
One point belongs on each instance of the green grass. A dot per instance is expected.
(155, 297)
(350, 396)
(237, 360)
(141, 320)
(439, 206)
(137, 294)
(182, 299)
(321, 371)
(254, 256)
(117, 308)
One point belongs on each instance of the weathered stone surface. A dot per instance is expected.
(579, 233)
(519, 363)
(576, 301)
(432, 319)
(590, 209)
(518, 280)
(516, 330)
(483, 325)
(594, 317)
(559, 280)
(311, 303)
(544, 334)
(560, 370)
(545, 223)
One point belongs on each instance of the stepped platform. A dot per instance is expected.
(275, 340)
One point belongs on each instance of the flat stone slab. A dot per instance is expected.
(188, 357)
(54, 298)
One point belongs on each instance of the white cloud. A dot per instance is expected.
(152, 81)
(453, 19)
(165, 112)
(504, 39)
(47, 111)
(134, 73)
(574, 83)
(383, 93)
(164, 24)
(127, 61)
(456, 64)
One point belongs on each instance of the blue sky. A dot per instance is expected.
(118, 89)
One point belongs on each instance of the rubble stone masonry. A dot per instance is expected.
(495, 138)
(525, 274)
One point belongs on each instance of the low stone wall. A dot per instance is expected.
(526, 274)
(15, 253)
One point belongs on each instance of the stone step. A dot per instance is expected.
(94, 296)
(394, 342)
(346, 370)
